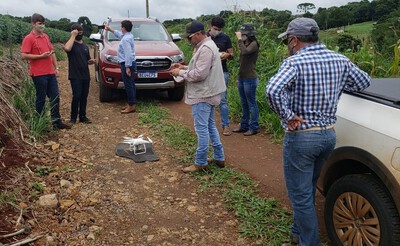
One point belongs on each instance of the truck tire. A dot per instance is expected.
(176, 94)
(96, 72)
(105, 94)
(360, 211)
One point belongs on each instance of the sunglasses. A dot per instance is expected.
(191, 36)
(287, 40)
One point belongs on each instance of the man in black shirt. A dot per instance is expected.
(224, 44)
(78, 73)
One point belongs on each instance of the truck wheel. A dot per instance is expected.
(105, 93)
(360, 211)
(176, 94)
(96, 72)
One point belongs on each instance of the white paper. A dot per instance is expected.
(179, 79)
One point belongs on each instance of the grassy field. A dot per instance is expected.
(361, 31)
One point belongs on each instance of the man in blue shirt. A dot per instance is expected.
(305, 93)
(224, 45)
(126, 59)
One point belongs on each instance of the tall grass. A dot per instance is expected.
(24, 100)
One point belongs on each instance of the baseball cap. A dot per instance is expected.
(301, 27)
(193, 27)
(248, 29)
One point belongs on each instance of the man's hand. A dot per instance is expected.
(238, 35)
(225, 55)
(175, 72)
(295, 123)
(108, 28)
(47, 54)
(74, 33)
(177, 65)
(128, 72)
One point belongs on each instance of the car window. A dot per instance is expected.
(142, 31)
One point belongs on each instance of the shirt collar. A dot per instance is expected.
(202, 41)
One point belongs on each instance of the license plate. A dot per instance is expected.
(147, 74)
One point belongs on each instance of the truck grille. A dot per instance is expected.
(153, 64)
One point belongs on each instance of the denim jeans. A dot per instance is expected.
(80, 92)
(206, 130)
(47, 85)
(247, 92)
(223, 106)
(304, 154)
(129, 83)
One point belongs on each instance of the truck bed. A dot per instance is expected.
(385, 91)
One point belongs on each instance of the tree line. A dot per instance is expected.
(64, 24)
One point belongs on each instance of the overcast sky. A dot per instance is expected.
(98, 10)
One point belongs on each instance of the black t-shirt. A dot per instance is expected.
(78, 57)
(223, 43)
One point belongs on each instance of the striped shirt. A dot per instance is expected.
(310, 83)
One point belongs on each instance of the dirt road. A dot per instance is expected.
(108, 200)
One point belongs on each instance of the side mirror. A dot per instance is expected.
(176, 37)
(95, 37)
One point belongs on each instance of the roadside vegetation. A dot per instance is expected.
(355, 43)
(261, 218)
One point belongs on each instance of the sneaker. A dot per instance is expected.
(238, 129)
(226, 131)
(129, 109)
(61, 125)
(220, 164)
(85, 120)
(194, 168)
(294, 242)
(72, 121)
(251, 132)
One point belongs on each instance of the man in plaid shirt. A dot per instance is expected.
(305, 93)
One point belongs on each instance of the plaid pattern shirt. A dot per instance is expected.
(310, 83)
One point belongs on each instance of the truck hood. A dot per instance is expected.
(149, 48)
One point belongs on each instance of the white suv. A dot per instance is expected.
(361, 179)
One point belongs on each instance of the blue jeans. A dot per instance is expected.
(206, 130)
(223, 106)
(80, 92)
(304, 153)
(247, 92)
(47, 85)
(129, 83)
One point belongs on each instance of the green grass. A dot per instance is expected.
(24, 101)
(263, 219)
(10, 197)
(360, 31)
(38, 187)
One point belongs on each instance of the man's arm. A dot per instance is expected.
(277, 92)
(358, 80)
(68, 46)
(55, 64)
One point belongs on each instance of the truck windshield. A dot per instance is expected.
(142, 31)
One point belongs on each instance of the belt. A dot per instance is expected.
(315, 128)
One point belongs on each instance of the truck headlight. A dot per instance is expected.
(178, 58)
(112, 59)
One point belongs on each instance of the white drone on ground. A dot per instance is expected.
(137, 145)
